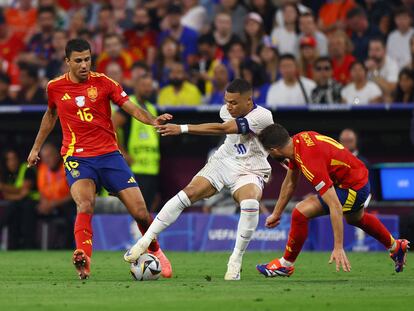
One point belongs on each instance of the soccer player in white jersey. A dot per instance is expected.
(240, 164)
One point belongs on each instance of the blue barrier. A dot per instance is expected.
(201, 232)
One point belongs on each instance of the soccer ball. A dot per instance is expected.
(146, 268)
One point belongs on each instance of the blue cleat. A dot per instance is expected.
(274, 268)
(399, 255)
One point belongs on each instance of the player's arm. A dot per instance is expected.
(46, 126)
(228, 127)
(335, 209)
(143, 115)
(23, 191)
(286, 192)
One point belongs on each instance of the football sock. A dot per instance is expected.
(168, 215)
(83, 232)
(249, 218)
(285, 263)
(371, 225)
(143, 226)
(297, 236)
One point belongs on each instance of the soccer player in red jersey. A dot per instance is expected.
(343, 190)
(81, 99)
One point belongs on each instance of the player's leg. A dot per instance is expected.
(309, 208)
(134, 201)
(248, 197)
(83, 193)
(375, 228)
(199, 188)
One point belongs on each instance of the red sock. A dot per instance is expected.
(143, 227)
(297, 235)
(83, 232)
(371, 225)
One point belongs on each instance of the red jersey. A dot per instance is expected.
(85, 113)
(325, 162)
(341, 71)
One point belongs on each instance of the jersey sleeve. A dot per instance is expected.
(50, 99)
(259, 120)
(116, 93)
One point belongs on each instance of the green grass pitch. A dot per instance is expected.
(47, 281)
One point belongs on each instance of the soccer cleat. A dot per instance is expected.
(135, 251)
(233, 271)
(82, 263)
(275, 268)
(166, 269)
(399, 255)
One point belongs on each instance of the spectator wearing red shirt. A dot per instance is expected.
(308, 54)
(332, 15)
(11, 44)
(22, 18)
(340, 48)
(106, 24)
(141, 39)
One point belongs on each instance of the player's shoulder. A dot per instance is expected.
(306, 139)
(259, 112)
(102, 77)
(56, 81)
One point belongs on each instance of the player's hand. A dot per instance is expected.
(338, 254)
(33, 158)
(162, 119)
(169, 129)
(272, 221)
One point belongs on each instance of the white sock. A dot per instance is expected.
(167, 216)
(249, 218)
(285, 263)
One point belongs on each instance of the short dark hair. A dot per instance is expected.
(239, 86)
(356, 11)
(357, 62)
(378, 39)
(274, 136)
(206, 39)
(31, 70)
(322, 59)
(402, 10)
(4, 78)
(140, 64)
(46, 9)
(76, 45)
(287, 56)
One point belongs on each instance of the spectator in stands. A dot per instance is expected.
(234, 58)
(327, 90)
(349, 139)
(5, 98)
(168, 54)
(195, 16)
(308, 53)
(332, 15)
(362, 32)
(106, 24)
(12, 71)
(220, 82)
(266, 9)
(56, 65)
(114, 71)
(279, 17)
(179, 92)
(59, 11)
(11, 43)
(398, 42)
(31, 92)
(140, 143)
(91, 12)
(141, 39)
(202, 71)
(254, 34)
(19, 188)
(55, 199)
(238, 14)
(138, 69)
(114, 52)
(76, 25)
(186, 37)
(340, 48)
(269, 58)
(378, 13)
(39, 48)
(286, 36)
(404, 92)
(361, 91)
(253, 73)
(308, 28)
(21, 19)
(123, 14)
(382, 69)
(291, 89)
(223, 34)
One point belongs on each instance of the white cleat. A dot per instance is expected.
(135, 251)
(233, 271)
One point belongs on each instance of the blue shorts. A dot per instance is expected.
(108, 170)
(351, 200)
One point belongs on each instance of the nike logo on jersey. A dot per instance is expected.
(66, 97)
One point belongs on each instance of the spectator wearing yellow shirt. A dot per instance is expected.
(179, 92)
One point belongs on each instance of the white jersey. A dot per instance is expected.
(245, 151)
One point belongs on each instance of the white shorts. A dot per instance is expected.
(220, 173)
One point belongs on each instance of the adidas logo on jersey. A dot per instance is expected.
(66, 96)
(131, 180)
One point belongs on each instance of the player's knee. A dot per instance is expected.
(86, 206)
(140, 212)
(191, 193)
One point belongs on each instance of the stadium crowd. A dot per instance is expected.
(293, 52)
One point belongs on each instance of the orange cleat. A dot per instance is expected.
(399, 255)
(82, 263)
(275, 268)
(166, 269)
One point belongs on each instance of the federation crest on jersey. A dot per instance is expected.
(75, 173)
(92, 93)
(80, 101)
